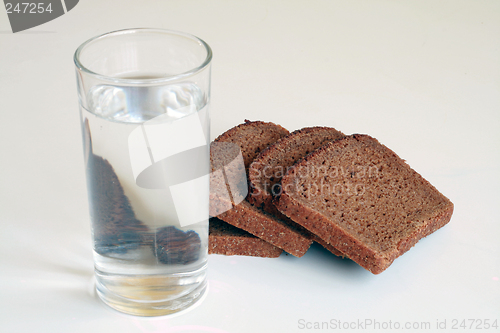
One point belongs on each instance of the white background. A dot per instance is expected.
(423, 77)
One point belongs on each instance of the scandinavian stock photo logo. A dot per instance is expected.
(25, 15)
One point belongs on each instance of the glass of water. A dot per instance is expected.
(144, 105)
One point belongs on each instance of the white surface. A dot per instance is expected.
(421, 76)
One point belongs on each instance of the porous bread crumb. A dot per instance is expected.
(360, 197)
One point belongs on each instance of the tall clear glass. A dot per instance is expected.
(144, 103)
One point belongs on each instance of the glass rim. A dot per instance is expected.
(193, 71)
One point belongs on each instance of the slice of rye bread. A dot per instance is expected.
(266, 171)
(360, 197)
(247, 139)
(225, 239)
(252, 138)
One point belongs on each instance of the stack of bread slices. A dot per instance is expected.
(351, 194)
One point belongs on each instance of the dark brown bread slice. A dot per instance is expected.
(228, 240)
(228, 180)
(278, 232)
(360, 197)
(266, 171)
(252, 138)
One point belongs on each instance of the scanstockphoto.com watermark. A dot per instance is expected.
(370, 324)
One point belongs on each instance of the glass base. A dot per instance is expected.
(148, 296)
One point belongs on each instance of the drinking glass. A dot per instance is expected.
(144, 99)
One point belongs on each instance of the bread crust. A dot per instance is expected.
(235, 133)
(227, 240)
(247, 123)
(265, 226)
